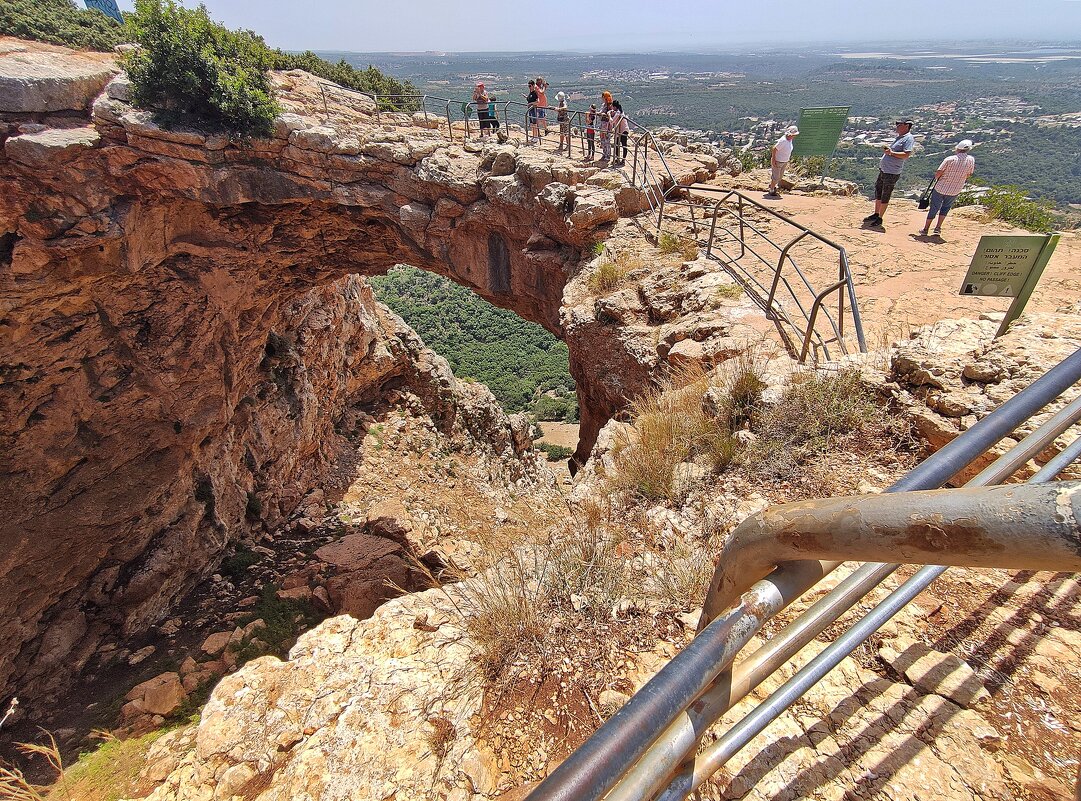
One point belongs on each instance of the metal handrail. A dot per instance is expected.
(606, 759)
(844, 285)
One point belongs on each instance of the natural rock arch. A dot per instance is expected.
(149, 271)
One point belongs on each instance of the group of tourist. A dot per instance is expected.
(948, 181)
(609, 123)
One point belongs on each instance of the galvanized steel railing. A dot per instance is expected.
(647, 749)
(729, 217)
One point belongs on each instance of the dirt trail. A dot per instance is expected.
(903, 281)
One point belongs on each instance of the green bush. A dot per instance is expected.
(60, 22)
(370, 80)
(236, 566)
(753, 159)
(1010, 204)
(190, 64)
(551, 409)
(555, 453)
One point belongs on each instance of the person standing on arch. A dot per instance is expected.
(889, 169)
(779, 157)
(606, 126)
(532, 135)
(542, 103)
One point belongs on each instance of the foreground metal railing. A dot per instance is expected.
(647, 749)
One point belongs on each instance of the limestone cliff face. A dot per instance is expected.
(180, 329)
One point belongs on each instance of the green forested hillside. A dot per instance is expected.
(525, 366)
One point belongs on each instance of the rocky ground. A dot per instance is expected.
(551, 604)
(964, 695)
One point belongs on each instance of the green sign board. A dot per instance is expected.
(819, 130)
(1008, 267)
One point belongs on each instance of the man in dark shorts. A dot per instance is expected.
(889, 169)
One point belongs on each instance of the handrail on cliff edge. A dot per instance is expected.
(647, 749)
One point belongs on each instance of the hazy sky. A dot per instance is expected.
(622, 25)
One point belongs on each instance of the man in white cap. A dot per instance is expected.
(950, 178)
(779, 157)
(889, 170)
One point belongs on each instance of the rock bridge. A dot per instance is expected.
(182, 327)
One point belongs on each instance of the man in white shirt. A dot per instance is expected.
(950, 179)
(779, 157)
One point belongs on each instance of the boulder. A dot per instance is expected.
(215, 643)
(44, 79)
(592, 207)
(386, 518)
(51, 146)
(161, 695)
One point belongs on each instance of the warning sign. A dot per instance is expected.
(1001, 265)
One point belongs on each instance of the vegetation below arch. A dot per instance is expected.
(526, 368)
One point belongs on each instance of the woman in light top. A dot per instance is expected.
(563, 117)
(606, 126)
(620, 131)
(950, 179)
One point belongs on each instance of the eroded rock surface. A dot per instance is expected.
(180, 334)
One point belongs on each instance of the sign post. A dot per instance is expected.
(819, 132)
(1008, 267)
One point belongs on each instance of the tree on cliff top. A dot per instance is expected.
(191, 64)
(60, 22)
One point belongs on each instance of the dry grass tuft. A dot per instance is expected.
(686, 247)
(670, 427)
(573, 566)
(819, 413)
(612, 271)
(13, 783)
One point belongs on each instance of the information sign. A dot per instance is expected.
(107, 7)
(1008, 267)
(819, 130)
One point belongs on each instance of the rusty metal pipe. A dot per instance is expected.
(653, 771)
(598, 764)
(1023, 527)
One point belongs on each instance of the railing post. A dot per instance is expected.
(712, 229)
(742, 230)
(857, 323)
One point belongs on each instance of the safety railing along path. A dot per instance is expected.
(650, 748)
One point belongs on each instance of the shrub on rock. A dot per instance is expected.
(188, 63)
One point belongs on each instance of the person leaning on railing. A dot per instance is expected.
(532, 114)
(591, 121)
(563, 117)
(484, 114)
